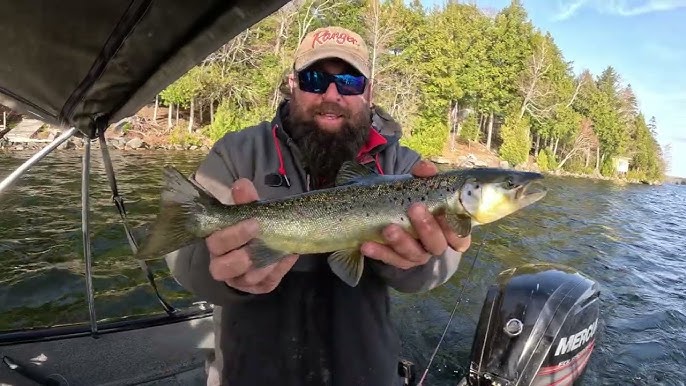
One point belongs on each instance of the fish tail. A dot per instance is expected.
(176, 224)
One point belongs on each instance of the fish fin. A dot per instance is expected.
(179, 189)
(348, 265)
(351, 171)
(460, 223)
(262, 255)
(181, 200)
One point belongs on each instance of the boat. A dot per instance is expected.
(83, 65)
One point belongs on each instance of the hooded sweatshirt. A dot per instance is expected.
(313, 329)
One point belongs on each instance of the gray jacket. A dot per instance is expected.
(313, 329)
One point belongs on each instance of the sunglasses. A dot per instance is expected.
(317, 82)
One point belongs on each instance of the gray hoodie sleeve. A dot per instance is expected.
(424, 277)
(190, 265)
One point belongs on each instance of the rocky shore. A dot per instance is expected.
(461, 155)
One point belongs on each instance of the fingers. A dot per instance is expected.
(243, 191)
(230, 261)
(428, 229)
(460, 244)
(424, 168)
(230, 265)
(386, 254)
(232, 237)
(265, 279)
(404, 251)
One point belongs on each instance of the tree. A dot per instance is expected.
(446, 72)
(515, 137)
(584, 142)
(667, 157)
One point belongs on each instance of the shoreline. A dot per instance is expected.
(462, 157)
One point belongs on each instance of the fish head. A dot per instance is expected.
(489, 194)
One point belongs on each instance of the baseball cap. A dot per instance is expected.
(333, 42)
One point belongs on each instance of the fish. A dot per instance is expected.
(339, 219)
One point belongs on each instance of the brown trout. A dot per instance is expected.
(341, 218)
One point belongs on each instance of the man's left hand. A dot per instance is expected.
(404, 251)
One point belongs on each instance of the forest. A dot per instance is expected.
(450, 74)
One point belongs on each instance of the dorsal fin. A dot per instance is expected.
(351, 171)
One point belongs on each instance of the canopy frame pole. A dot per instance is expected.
(18, 172)
(121, 209)
(85, 228)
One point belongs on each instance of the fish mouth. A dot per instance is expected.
(530, 192)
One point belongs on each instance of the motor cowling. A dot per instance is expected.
(537, 327)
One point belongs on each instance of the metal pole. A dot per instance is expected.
(35, 158)
(85, 225)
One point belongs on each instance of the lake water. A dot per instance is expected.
(631, 239)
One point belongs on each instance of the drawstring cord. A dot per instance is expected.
(282, 167)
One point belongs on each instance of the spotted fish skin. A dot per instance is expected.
(341, 218)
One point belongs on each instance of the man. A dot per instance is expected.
(295, 322)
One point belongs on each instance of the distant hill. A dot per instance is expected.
(676, 180)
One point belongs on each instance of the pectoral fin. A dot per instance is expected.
(262, 255)
(460, 223)
(348, 265)
(351, 171)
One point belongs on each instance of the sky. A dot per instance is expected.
(642, 39)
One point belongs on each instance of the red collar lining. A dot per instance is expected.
(374, 140)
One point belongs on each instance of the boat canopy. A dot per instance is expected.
(83, 63)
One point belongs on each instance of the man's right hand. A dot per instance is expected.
(229, 259)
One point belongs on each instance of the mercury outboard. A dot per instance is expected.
(537, 328)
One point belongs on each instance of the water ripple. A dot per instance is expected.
(629, 238)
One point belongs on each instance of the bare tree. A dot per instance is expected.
(312, 9)
(667, 157)
(401, 98)
(533, 87)
(584, 142)
(381, 30)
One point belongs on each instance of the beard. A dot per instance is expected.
(324, 152)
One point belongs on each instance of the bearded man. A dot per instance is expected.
(295, 322)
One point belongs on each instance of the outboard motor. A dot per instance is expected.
(537, 328)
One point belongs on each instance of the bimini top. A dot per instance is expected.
(103, 60)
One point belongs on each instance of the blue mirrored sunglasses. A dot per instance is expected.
(318, 81)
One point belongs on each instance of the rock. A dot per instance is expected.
(119, 126)
(440, 160)
(504, 165)
(135, 143)
(19, 148)
(67, 145)
(469, 161)
(193, 148)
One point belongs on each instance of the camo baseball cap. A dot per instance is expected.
(333, 42)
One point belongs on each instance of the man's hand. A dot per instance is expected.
(404, 251)
(229, 259)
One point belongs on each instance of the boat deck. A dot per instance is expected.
(172, 354)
